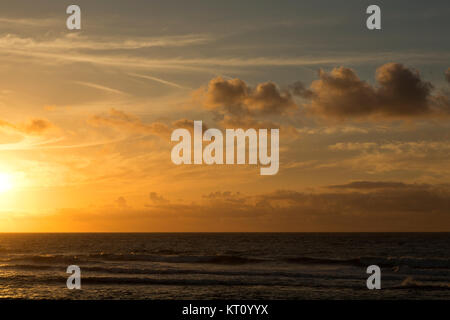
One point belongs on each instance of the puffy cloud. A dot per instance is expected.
(299, 89)
(400, 93)
(235, 97)
(234, 104)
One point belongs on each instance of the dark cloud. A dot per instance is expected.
(236, 98)
(157, 199)
(121, 202)
(356, 206)
(188, 124)
(395, 206)
(235, 104)
(400, 93)
(219, 194)
(447, 75)
(368, 185)
(225, 197)
(184, 123)
(299, 89)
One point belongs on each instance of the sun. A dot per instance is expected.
(5, 182)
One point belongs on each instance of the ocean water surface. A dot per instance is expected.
(225, 265)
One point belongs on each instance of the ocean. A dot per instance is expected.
(225, 265)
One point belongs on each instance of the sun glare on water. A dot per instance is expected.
(5, 182)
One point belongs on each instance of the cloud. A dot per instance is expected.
(98, 87)
(384, 208)
(369, 185)
(126, 52)
(120, 120)
(37, 126)
(421, 159)
(299, 89)
(30, 22)
(394, 206)
(121, 202)
(225, 197)
(159, 80)
(328, 130)
(187, 124)
(33, 134)
(235, 97)
(32, 127)
(235, 104)
(392, 202)
(355, 206)
(447, 75)
(400, 93)
(157, 199)
(72, 41)
(398, 147)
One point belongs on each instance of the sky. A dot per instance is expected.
(86, 115)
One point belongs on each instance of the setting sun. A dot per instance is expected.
(5, 182)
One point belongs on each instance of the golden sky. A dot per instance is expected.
(86, 116)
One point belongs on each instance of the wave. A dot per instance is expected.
(220, 259)
(272, 273)
(109, 280)
(118, 275)
(408, 283)
(413, 262)
(411, 283)
(102, 257)
(177, 282)
(319, 261)
(393, 262)
(216, 259)
(154, 271)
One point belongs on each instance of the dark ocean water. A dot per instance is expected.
(225, 266)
